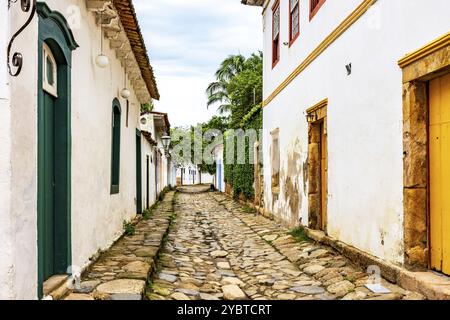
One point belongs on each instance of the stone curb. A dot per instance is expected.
(432, 285)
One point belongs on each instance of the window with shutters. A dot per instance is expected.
(275, 33)
(294, 20)
(314, 7)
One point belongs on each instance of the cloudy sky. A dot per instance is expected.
(187, 40)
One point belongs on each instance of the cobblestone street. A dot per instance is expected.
(219, 249)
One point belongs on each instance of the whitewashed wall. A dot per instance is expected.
(365, 167)
(147, 150)
(93, 89)
(207, 178)
(163, 180)
(6, 221)
(23, 161)
(93, 208)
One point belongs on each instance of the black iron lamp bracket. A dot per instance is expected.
(17, 58)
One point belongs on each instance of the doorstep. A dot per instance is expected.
(433, 285)
(56, 287)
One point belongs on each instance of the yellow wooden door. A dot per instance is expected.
(323, 175)
(440, 173)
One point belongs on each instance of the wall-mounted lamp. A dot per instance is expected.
(311, 117)
(17, 58)
(125, 93)
(143, 121)
(102, 60)
(166, 143)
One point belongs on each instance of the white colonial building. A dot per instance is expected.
(70, 99)
(356, 110)
(158, 171)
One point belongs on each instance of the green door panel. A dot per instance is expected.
(48, 144)
(54, 149)
(138, 173)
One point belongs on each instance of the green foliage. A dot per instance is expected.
(218, 123)
(245, 89)
(254, 112)
(147, 107)
(299, 234)
(129, 228)
(247, 209)
(147, 213)
(238, 88)
(217, 92)
(163, 193)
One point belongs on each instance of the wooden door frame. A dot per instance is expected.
(54, 31)
(418, 68)
(317, 210)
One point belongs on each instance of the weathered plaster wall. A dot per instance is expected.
(23, 214)
(6, 222)
(93, 90)
(94, 209)
(365, 168)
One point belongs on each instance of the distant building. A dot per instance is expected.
(219, 178)
(157, 167)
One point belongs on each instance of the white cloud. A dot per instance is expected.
(186, 41)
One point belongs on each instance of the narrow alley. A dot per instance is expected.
(219, 249)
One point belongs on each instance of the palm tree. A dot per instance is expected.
(217, 91)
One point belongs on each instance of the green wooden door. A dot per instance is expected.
(48, 144)
(138, 173)
(55, 39)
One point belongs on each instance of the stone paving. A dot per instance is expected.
(121, 273)
(218, 250)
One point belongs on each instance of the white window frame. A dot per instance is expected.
(51, 89)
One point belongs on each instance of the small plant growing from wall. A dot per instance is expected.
(128, 228)
(299, 234)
